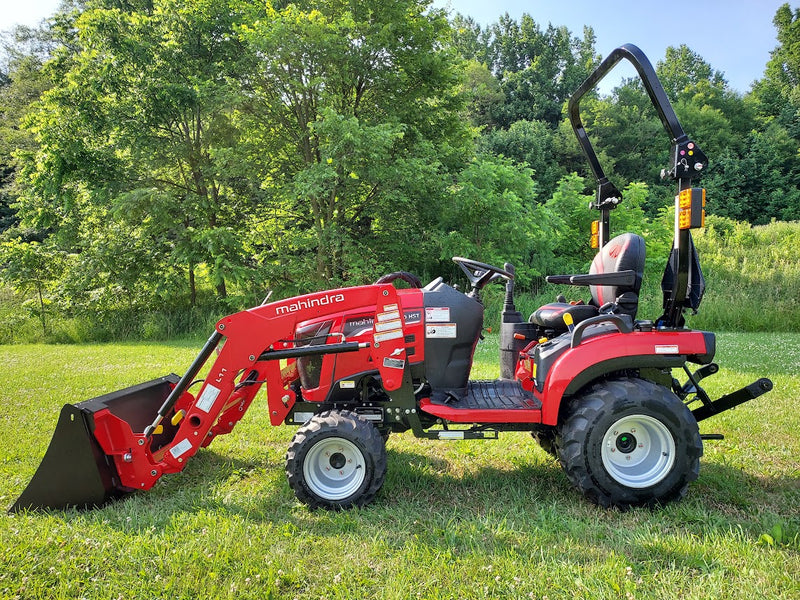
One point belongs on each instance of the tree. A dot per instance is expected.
(759, 180)
(22, 82)
(492, 215)
(137, 134)
(759, 185)
(337, 92)
(711, 113)
(31, 267)
(484, 94)
(778, 93)
(683, 70)
(530, 143)
(538, 69)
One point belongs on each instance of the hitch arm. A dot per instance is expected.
(745, 394)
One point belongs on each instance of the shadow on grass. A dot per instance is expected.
(429, 500)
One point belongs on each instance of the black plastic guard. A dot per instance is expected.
(75, 472)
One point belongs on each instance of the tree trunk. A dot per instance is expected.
(41, 309)
(192, 286)
(222, 290)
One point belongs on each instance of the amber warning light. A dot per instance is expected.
(691, 208)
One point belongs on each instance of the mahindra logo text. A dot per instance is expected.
(310, 303)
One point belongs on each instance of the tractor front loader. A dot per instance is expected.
(614, 397)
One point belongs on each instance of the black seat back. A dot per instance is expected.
(625, 252)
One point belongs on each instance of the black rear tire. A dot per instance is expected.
(336, 460)
(546, 441)
(629, 442)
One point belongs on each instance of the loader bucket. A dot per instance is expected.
(75, 472)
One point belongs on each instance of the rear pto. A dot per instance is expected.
(591, 382)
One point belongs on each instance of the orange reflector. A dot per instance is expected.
(691, 208)
(519, 336)
(594, 241)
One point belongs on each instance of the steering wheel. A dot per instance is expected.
(479, 274)
(409, 278)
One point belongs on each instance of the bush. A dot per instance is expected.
(752, 276)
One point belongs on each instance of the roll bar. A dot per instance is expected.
(687, 162)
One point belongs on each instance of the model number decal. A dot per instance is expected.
(394, 363)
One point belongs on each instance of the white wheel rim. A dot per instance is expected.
(638, 451)
(334, 468)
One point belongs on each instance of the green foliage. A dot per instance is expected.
(682, 71)
(126, 165)
(354, 111)
(529, 143)
(198, 153)
(31, 268)
(484, 93)
(759, 184)
(777, 93)
(537, 69)
(753, 276)
(491, 204)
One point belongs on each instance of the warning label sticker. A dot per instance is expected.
(388, 325)
(442, 330)
(180, 448)
(389, 335)
(388, 316)
(206, 399)
(435, 314)
(667, 349)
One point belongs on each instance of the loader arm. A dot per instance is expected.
(255, 343)
(256, 348)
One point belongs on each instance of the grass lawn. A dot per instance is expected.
(475, 519)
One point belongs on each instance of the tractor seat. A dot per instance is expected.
(614, 280)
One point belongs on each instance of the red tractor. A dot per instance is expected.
(593, 383)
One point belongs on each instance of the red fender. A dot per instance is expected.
(603, 354)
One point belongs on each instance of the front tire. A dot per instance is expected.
(336, 460)
(629, 442)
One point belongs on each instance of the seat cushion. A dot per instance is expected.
(551, 316)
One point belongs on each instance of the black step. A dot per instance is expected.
(484, 395)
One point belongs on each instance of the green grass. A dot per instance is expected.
(472, 519)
